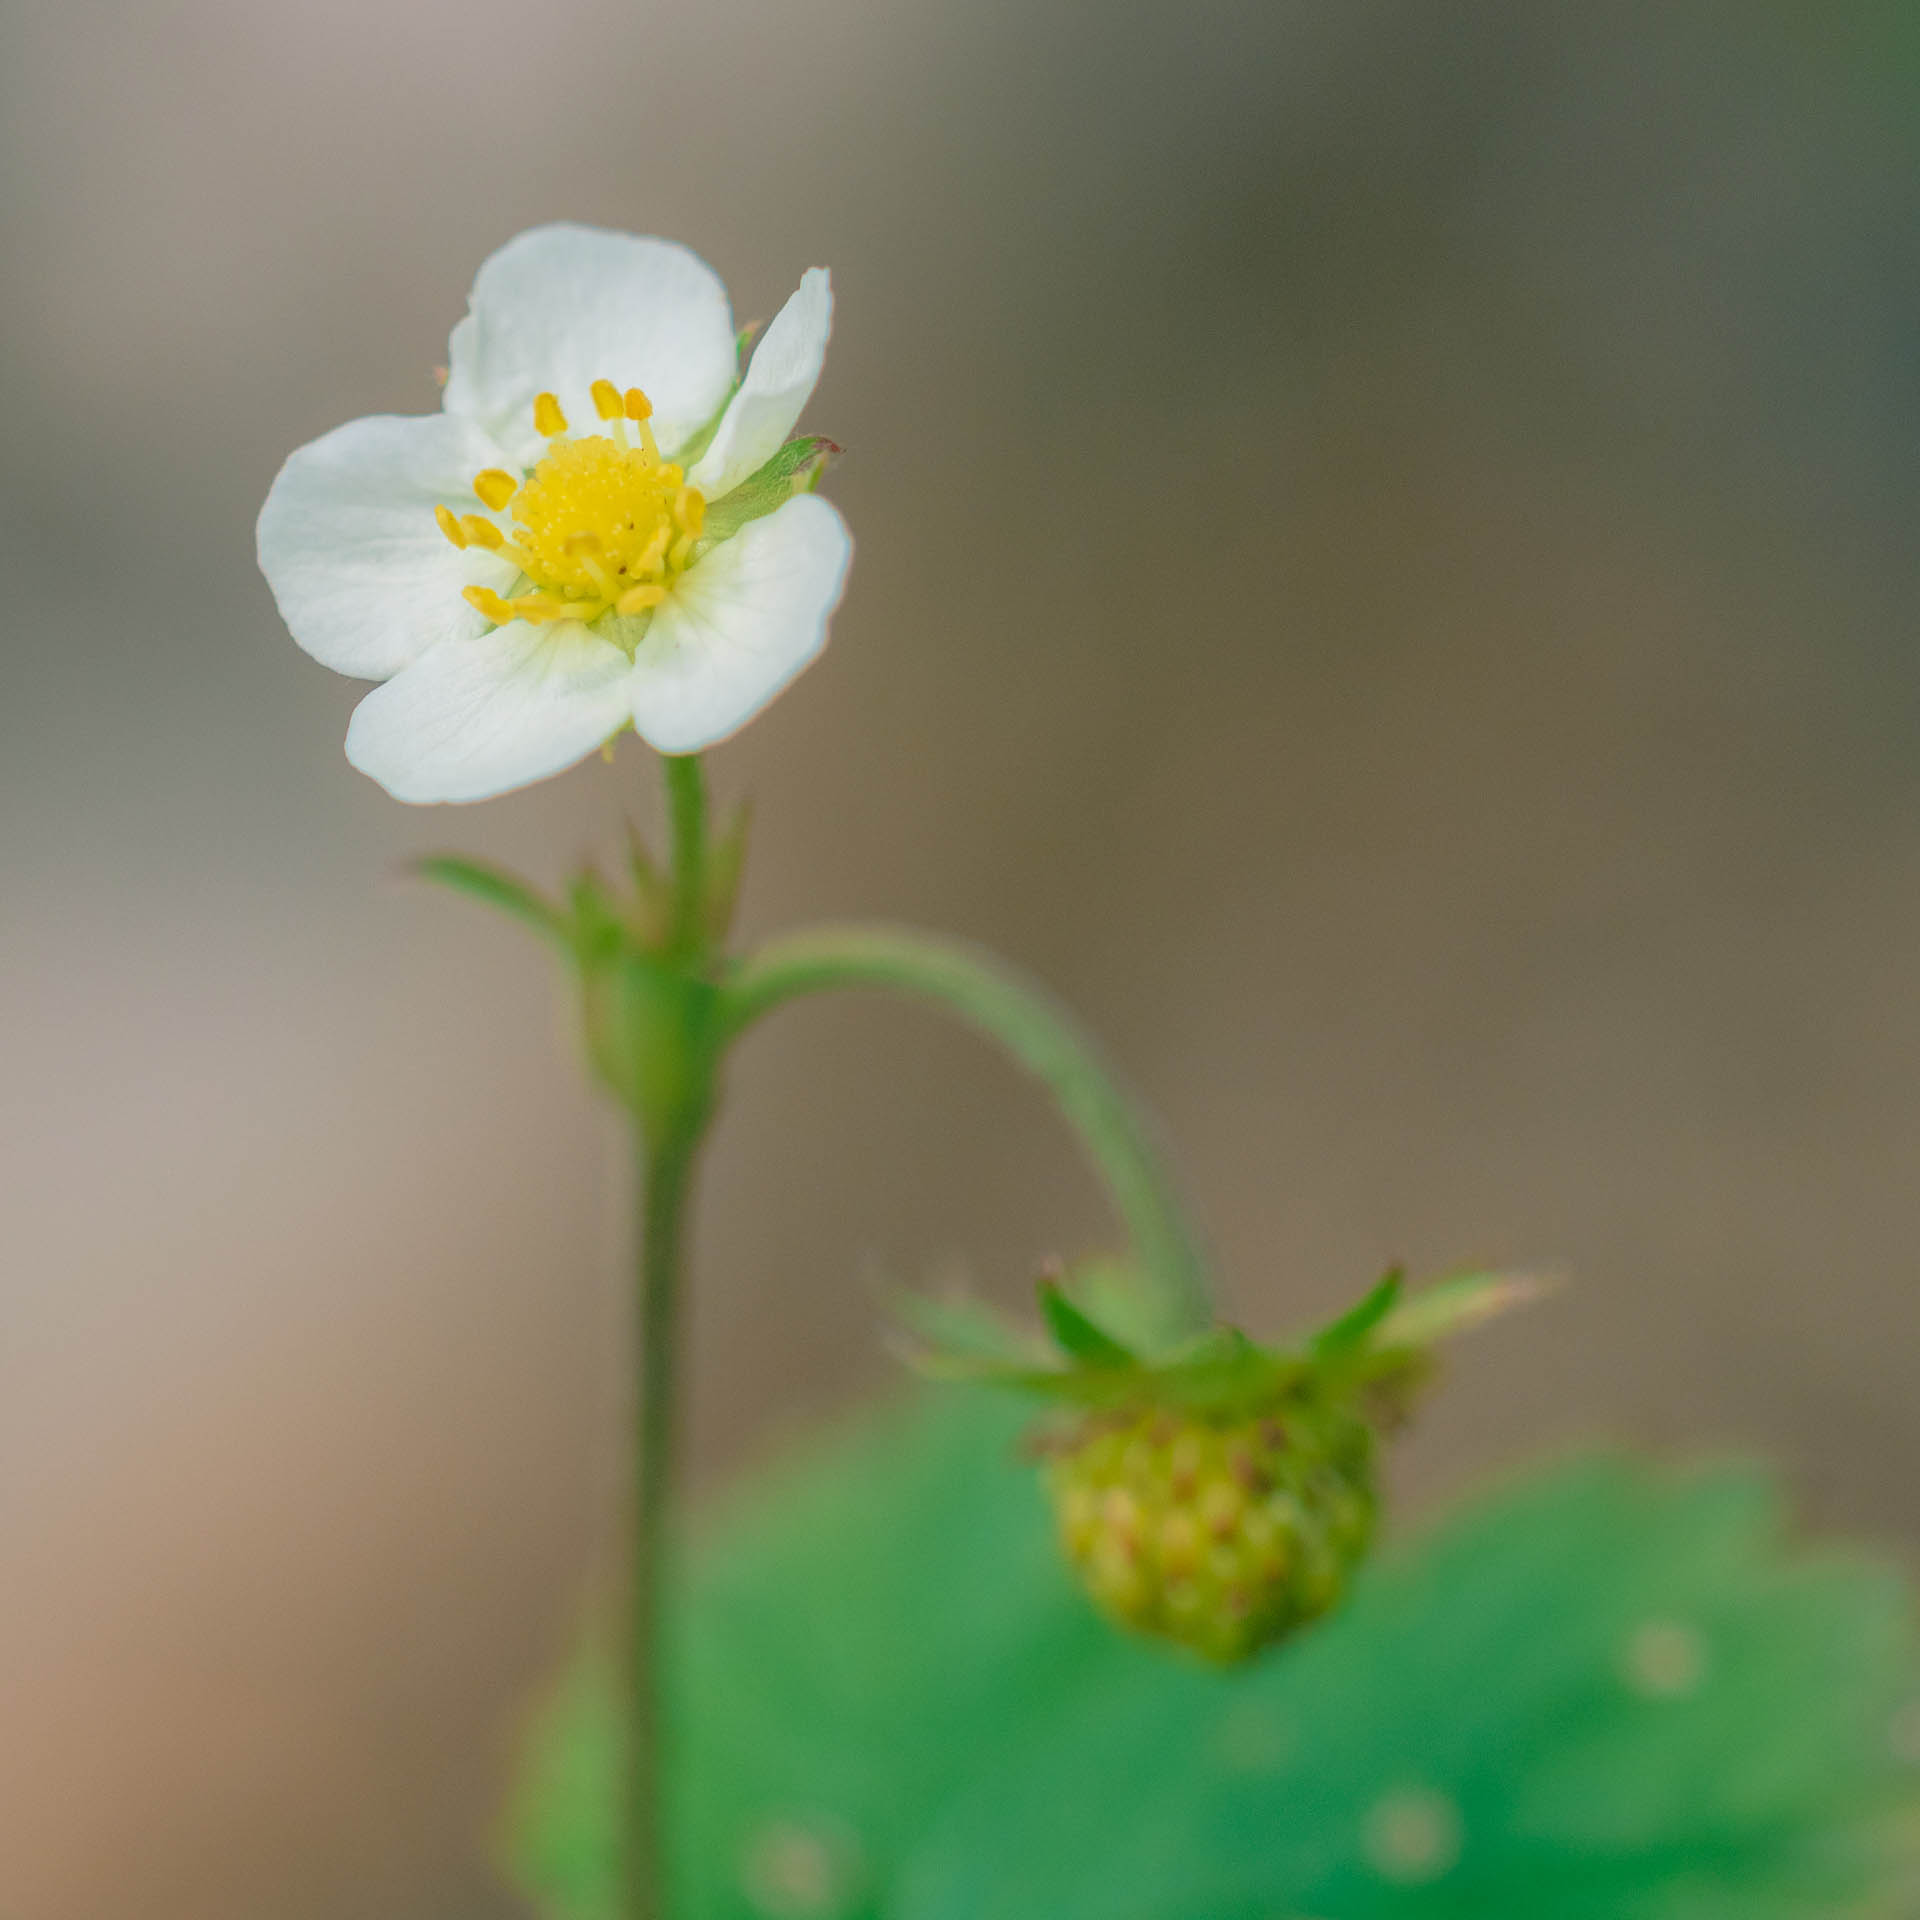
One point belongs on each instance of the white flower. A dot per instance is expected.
(536, 567)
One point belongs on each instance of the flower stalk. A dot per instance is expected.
(669, 1126)
(1038, 1032)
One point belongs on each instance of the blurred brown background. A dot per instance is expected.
(1386, 572)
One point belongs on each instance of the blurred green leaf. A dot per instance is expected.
(1606, 1693)
(859, 1632)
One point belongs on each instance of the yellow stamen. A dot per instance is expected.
(590, 486)
(495, 487)
(599, 525)
(487, 602)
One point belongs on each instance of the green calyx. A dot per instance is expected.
(640, 949)
(1218, 1493)
(1085, 1354)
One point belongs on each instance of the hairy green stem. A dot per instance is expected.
(666, 1172)
(668, 1133)
(1039, 1033)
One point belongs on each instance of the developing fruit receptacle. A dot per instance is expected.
(1211, 1490)
(1224, 1533)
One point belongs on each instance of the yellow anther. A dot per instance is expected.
(598, 525)
(486, 601)
(495, 487)
(541, 608)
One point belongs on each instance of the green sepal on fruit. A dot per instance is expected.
(1218, 1494)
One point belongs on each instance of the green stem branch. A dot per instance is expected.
(1039, 1033)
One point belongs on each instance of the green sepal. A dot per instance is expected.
(1081, 1361)
(651, 911)
(599, 927)
(726, 863)
(696, 443)
(1224, 1370)
(648, 1024)
(1453, 1305)
(1354, 1328)
(1377, 1351)
(796, 468)
(1116, 1295)
(953, 1335)
(497, 888)
(1077, 1334)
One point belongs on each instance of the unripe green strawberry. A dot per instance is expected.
(1222, 1532)
(1210, 1490)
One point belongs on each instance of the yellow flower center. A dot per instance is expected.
(602, 525)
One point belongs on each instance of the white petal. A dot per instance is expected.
(365, 580)
(780, 380)
(482, 716)
(740, 624)
(560, 307)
